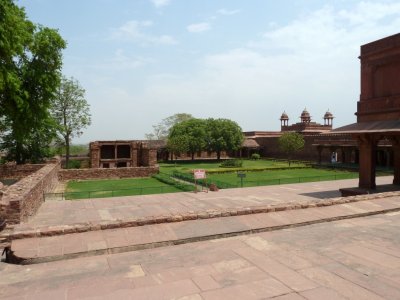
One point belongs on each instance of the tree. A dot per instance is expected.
(223, 135)
(162, 129)
(291, 142)
(188, 135)
(30, 73)
(71, 112)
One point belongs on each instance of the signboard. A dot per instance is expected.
(199, 174)
(241, 175)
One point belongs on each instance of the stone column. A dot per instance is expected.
(367, 145)
(134, 154)
(396, 159)
(94, 155)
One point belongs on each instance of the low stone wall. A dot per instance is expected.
(22, 199)
(18, 171)
(103, 173)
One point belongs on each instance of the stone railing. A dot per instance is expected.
(104, 173)
(22, 199)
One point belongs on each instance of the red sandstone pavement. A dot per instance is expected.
(348, 259)
(105, 210)
(35, 250)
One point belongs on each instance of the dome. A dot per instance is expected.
(328, 115)
(305, 114)
(284, 116)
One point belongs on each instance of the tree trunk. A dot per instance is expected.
(192, 155)
(218, 155)
(67, 152)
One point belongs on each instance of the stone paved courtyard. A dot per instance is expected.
(356, 258)
(348, 259)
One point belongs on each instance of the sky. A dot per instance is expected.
(141, 61)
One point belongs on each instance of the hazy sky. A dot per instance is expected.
(143, 60)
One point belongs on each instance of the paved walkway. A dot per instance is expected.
(347, 259)
(105, 210)
(43, 249)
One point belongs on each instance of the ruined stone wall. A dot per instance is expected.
(18, 171)
(102, 173)
(22, 199)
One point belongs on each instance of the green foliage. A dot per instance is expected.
(234, 163)
(223, 135)
(165, 178)
(74, 164)
(162, 129)
(70, 111)
(291, 142)
(188, 135)
(255, 156)
(30, 67)
(195, 135)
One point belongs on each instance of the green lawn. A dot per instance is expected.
(116, 187)
(282, 176)
(274, 175)
(142, 186)
(187, 167)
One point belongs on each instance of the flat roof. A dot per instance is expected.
(391, 126)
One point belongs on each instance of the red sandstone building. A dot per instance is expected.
(378, 111)
(122, 154)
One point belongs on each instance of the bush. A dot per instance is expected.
(164, 178)
(74, 164)
(232, 163)
(255, 156)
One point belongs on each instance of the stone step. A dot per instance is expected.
(22, 232)
(68, 246)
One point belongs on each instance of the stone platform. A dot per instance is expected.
(49, 243)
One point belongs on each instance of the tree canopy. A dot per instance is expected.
(70, 111)
(162, 129)
(195, 135)
(223, 135)
(188, 135)
(291, 142)
(30, 73)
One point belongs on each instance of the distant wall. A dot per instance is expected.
(270, 148)
(101, 173)
(22, 199)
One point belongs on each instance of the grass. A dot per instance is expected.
(211, 167)
(116, 187)
(278, 172)
(256, 175)
(282, 176)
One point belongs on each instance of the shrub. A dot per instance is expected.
(164, 178)
(74, 164)
(232, 163)
(255, 156)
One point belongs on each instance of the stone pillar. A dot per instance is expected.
(134, 154)
(152, 157)
(367, 145)
(396, 159)
(94, 155)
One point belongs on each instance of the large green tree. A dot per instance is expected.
(30, 72)
(162, 129)
(223, 135)
(71, 112)
(189, 135)
(291, 142)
